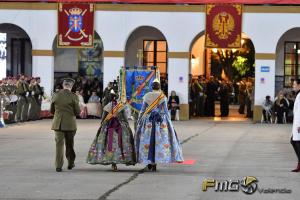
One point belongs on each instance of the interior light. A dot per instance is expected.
(214, 50)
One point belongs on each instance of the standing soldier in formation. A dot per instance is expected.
(22, 105)
(32, 101)
(26, 106)
(4, 101)
(38, 95)
(65, 107)
(199, 98)
(24, 100)
(12, 105)
(1, 87)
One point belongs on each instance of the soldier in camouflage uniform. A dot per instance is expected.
(33, 106)
(4, 101)
(12, 105)
(22, 105)
(38, 95)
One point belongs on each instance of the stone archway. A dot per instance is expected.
(16, 51)
(153, 43)
(231, 65)
(200, 60)
(79, 62)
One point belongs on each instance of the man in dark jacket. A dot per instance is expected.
(224, 98)
(211, 90)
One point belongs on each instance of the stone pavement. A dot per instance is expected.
(221, 150)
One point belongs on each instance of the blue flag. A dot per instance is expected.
(138, 83)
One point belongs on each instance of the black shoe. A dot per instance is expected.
(114, 167)
(154, 168)
(71, 166)
(58, 170)
(149, 166)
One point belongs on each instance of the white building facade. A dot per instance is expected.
(179, 24)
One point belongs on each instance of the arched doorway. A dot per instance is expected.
(85, 62)
(287, 63)
(79, 63)
(232, 68)
(15, 51)
(147, 46)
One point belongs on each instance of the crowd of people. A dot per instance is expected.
(281, 109)
(85, 86)
(21, 98)
(204, 93)
(89, 93)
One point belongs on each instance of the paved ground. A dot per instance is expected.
(222, 150)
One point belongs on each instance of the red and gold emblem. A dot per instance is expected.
(75, 25)
(223, 26)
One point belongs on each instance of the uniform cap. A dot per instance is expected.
(68, 81)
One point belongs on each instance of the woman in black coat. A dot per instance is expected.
(281, 107)
(173, 104)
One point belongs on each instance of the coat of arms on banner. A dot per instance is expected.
(75, 25)
(223, 26)
(135, 83)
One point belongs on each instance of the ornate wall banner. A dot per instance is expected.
(171, 1)
(75, 25)
(223, 26)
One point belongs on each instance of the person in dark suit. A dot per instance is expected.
(281, 106)
(242, 95)
(65, 108)
(211, 90)
(224, 98)
(173, 104)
